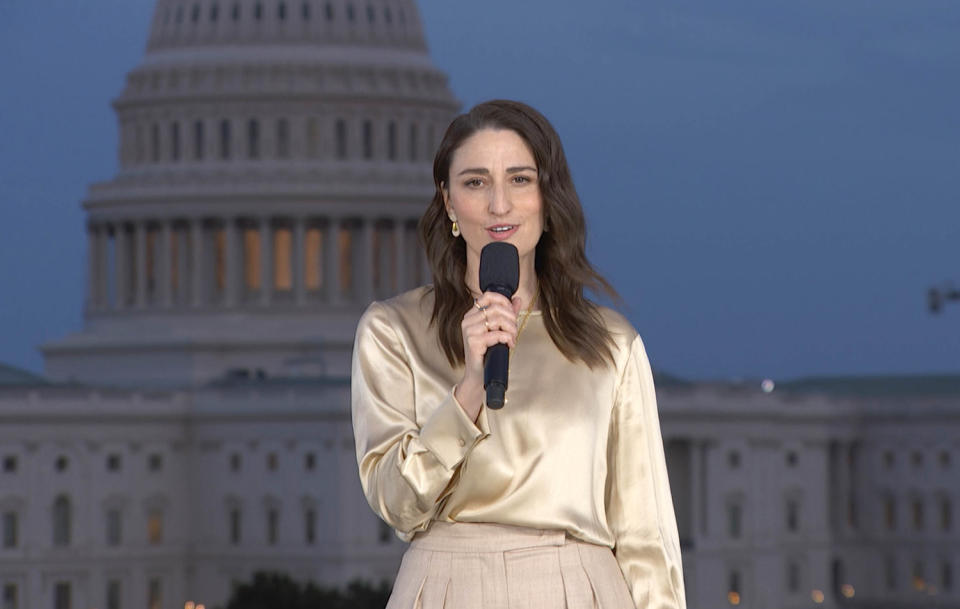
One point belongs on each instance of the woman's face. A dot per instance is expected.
(494, 195)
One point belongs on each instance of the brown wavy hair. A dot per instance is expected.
(573, 322)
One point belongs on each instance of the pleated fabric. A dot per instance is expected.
(492, 566)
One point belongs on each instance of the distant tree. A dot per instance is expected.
(271, 590)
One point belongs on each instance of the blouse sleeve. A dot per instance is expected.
(639, 505)
(406, 469)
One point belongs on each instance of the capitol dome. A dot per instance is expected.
(274, 158)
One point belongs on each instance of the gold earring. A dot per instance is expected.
(455, 229)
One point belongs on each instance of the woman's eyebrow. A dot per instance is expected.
(485, 171)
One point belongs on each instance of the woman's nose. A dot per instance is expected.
(499, 200)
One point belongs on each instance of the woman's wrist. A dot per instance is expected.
(469, 394)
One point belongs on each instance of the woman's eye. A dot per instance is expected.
(521, 179)
(474, 182)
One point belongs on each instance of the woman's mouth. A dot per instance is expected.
(501, 231)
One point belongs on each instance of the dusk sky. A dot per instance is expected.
(771, 186)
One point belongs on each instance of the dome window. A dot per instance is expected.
(351, 17)
(179, 17)
(198, 140)
(214, 12)
(253, 139)
(370, 13)
(195, 13)
(305, 11)
(328, 9)
(283, 139)
(341, 134)
(175, 141)
(392, 141)
(387, 15)
(224, 139)
(155, 143)
(367, 140)
(236, 11)
(282, 11)
(258, 11)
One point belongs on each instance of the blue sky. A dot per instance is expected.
(771, 186)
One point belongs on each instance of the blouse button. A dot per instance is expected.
(462, 443)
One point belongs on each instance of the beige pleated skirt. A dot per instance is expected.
(493, 566)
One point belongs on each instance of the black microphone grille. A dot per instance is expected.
(499, 266)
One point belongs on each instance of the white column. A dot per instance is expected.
(93, 266)
(266, 261)
(103, 273)
(196, 263)
(363, 272)
(232, 262)
(165, 254)
(695, 489)
(141, 273)
(400, 254)
(121, 261)
(299, 256)
(331, 261)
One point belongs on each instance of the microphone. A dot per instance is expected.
(500, 273)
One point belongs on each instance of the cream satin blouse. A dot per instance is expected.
(573, 449)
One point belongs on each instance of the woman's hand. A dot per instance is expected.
(492, 320)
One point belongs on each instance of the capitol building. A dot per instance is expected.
(274, 158)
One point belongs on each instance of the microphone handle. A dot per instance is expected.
(496, 363)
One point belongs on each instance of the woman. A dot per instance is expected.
(560, 498)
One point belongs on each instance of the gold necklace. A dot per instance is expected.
(526, 316)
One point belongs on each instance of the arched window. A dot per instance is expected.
(946, 514)
(367, 140)
(11, 528)
(62, 514)
(114, 526)
(793, 576)
(392, 141)
(224, 139)
(283, 138)
(387, 16)
(735, 517)
(890, 512)
(917, 506)
(253, 139)
(310, 525)
(195, 13)
(793, 514)
(282, 11)
(155, 525)
(305, 11)
(214, 12)
(350, 14)
(198, 140)
(370, 13)
(235, 13)
(341, 137)
(258, 11)
(273, 525)
(236, 520)
(328, 11)
(733, 587)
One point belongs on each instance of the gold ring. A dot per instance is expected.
(479, 308)
(487, 324)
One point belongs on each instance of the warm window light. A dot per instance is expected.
(817, 596)
(847, 590)
(188, 605)
(200, 606)
(733, 597)
(918, 583)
